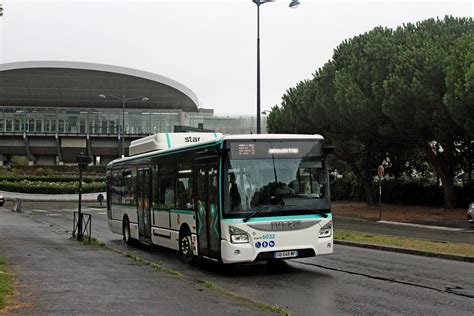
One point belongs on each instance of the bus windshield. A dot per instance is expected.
(271, 178)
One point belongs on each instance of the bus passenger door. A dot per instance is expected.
(207, 202)
(144, 204)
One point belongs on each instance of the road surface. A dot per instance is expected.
(351, 281)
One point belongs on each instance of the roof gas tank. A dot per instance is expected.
(164, 141)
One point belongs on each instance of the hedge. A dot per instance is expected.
(41, 187)
(52, 178)
(50, 170)
(398, 191)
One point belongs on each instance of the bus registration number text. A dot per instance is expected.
(286, 254)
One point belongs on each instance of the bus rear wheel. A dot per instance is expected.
(186, 246)
(126, 232)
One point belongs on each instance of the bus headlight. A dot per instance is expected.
(238, 236)
(326, 230)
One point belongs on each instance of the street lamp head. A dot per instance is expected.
(294, 4)
(102, 96)
(145, 99)
(259, 2)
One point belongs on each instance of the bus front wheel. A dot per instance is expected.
(186, 246)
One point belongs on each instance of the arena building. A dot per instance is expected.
(51, 111)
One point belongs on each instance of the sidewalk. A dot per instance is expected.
(56, 275)
(87, 197)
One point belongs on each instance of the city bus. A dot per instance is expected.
(232, 199)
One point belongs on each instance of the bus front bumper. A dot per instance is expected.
(244, 253)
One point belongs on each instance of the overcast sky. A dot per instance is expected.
(209, 46)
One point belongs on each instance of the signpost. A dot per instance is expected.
(381, 173)
(82, 162)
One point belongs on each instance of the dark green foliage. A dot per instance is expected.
(52, 178)
(459, 97)
(52, 170)
(398, 192)
(39, 187)
(403, 97)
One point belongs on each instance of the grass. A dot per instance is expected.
(405, 242)
(91, 242)
(5, 283)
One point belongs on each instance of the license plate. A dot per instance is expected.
(286, 254)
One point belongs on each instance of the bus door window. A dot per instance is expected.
(128, 190)
(207, 197)
(143, 203)
(166, 193)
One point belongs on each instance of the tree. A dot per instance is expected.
(459, 98)
(415, 91)
(389, 95)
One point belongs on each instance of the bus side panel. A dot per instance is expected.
(180, 217)
(165, 237)
(115, 226)
(119, 211)
(161, 217)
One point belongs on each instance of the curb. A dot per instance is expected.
(407, 251)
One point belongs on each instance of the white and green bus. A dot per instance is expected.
(233, 199)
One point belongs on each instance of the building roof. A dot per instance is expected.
(78, 84)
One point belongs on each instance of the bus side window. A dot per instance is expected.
(184, 187)
(166, 198)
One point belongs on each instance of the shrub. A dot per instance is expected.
(398, 191)
(26, 186)
(53, 178)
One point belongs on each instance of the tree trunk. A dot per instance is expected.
(369, 194)
(449, 193)
(360, 174)
(444, 169)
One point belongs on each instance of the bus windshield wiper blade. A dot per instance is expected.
(257, 210)
(298, 207)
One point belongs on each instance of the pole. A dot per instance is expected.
(123, 126)
(258, 68)
(380, 198)
(79, 213)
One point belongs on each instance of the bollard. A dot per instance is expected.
(16, 205)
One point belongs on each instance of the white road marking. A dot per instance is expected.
(40, 211)
(422, 226)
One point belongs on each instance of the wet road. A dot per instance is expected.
(351, 281)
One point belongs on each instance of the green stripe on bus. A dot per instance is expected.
(161, 210)
(168, 140)
(176, 211)
(187, 212)
(276, 218)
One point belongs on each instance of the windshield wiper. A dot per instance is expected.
(299, 207)
(257, 210)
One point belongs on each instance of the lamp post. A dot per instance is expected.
(294, 4)
(123, 99)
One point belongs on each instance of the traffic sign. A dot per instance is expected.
(381, 171)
